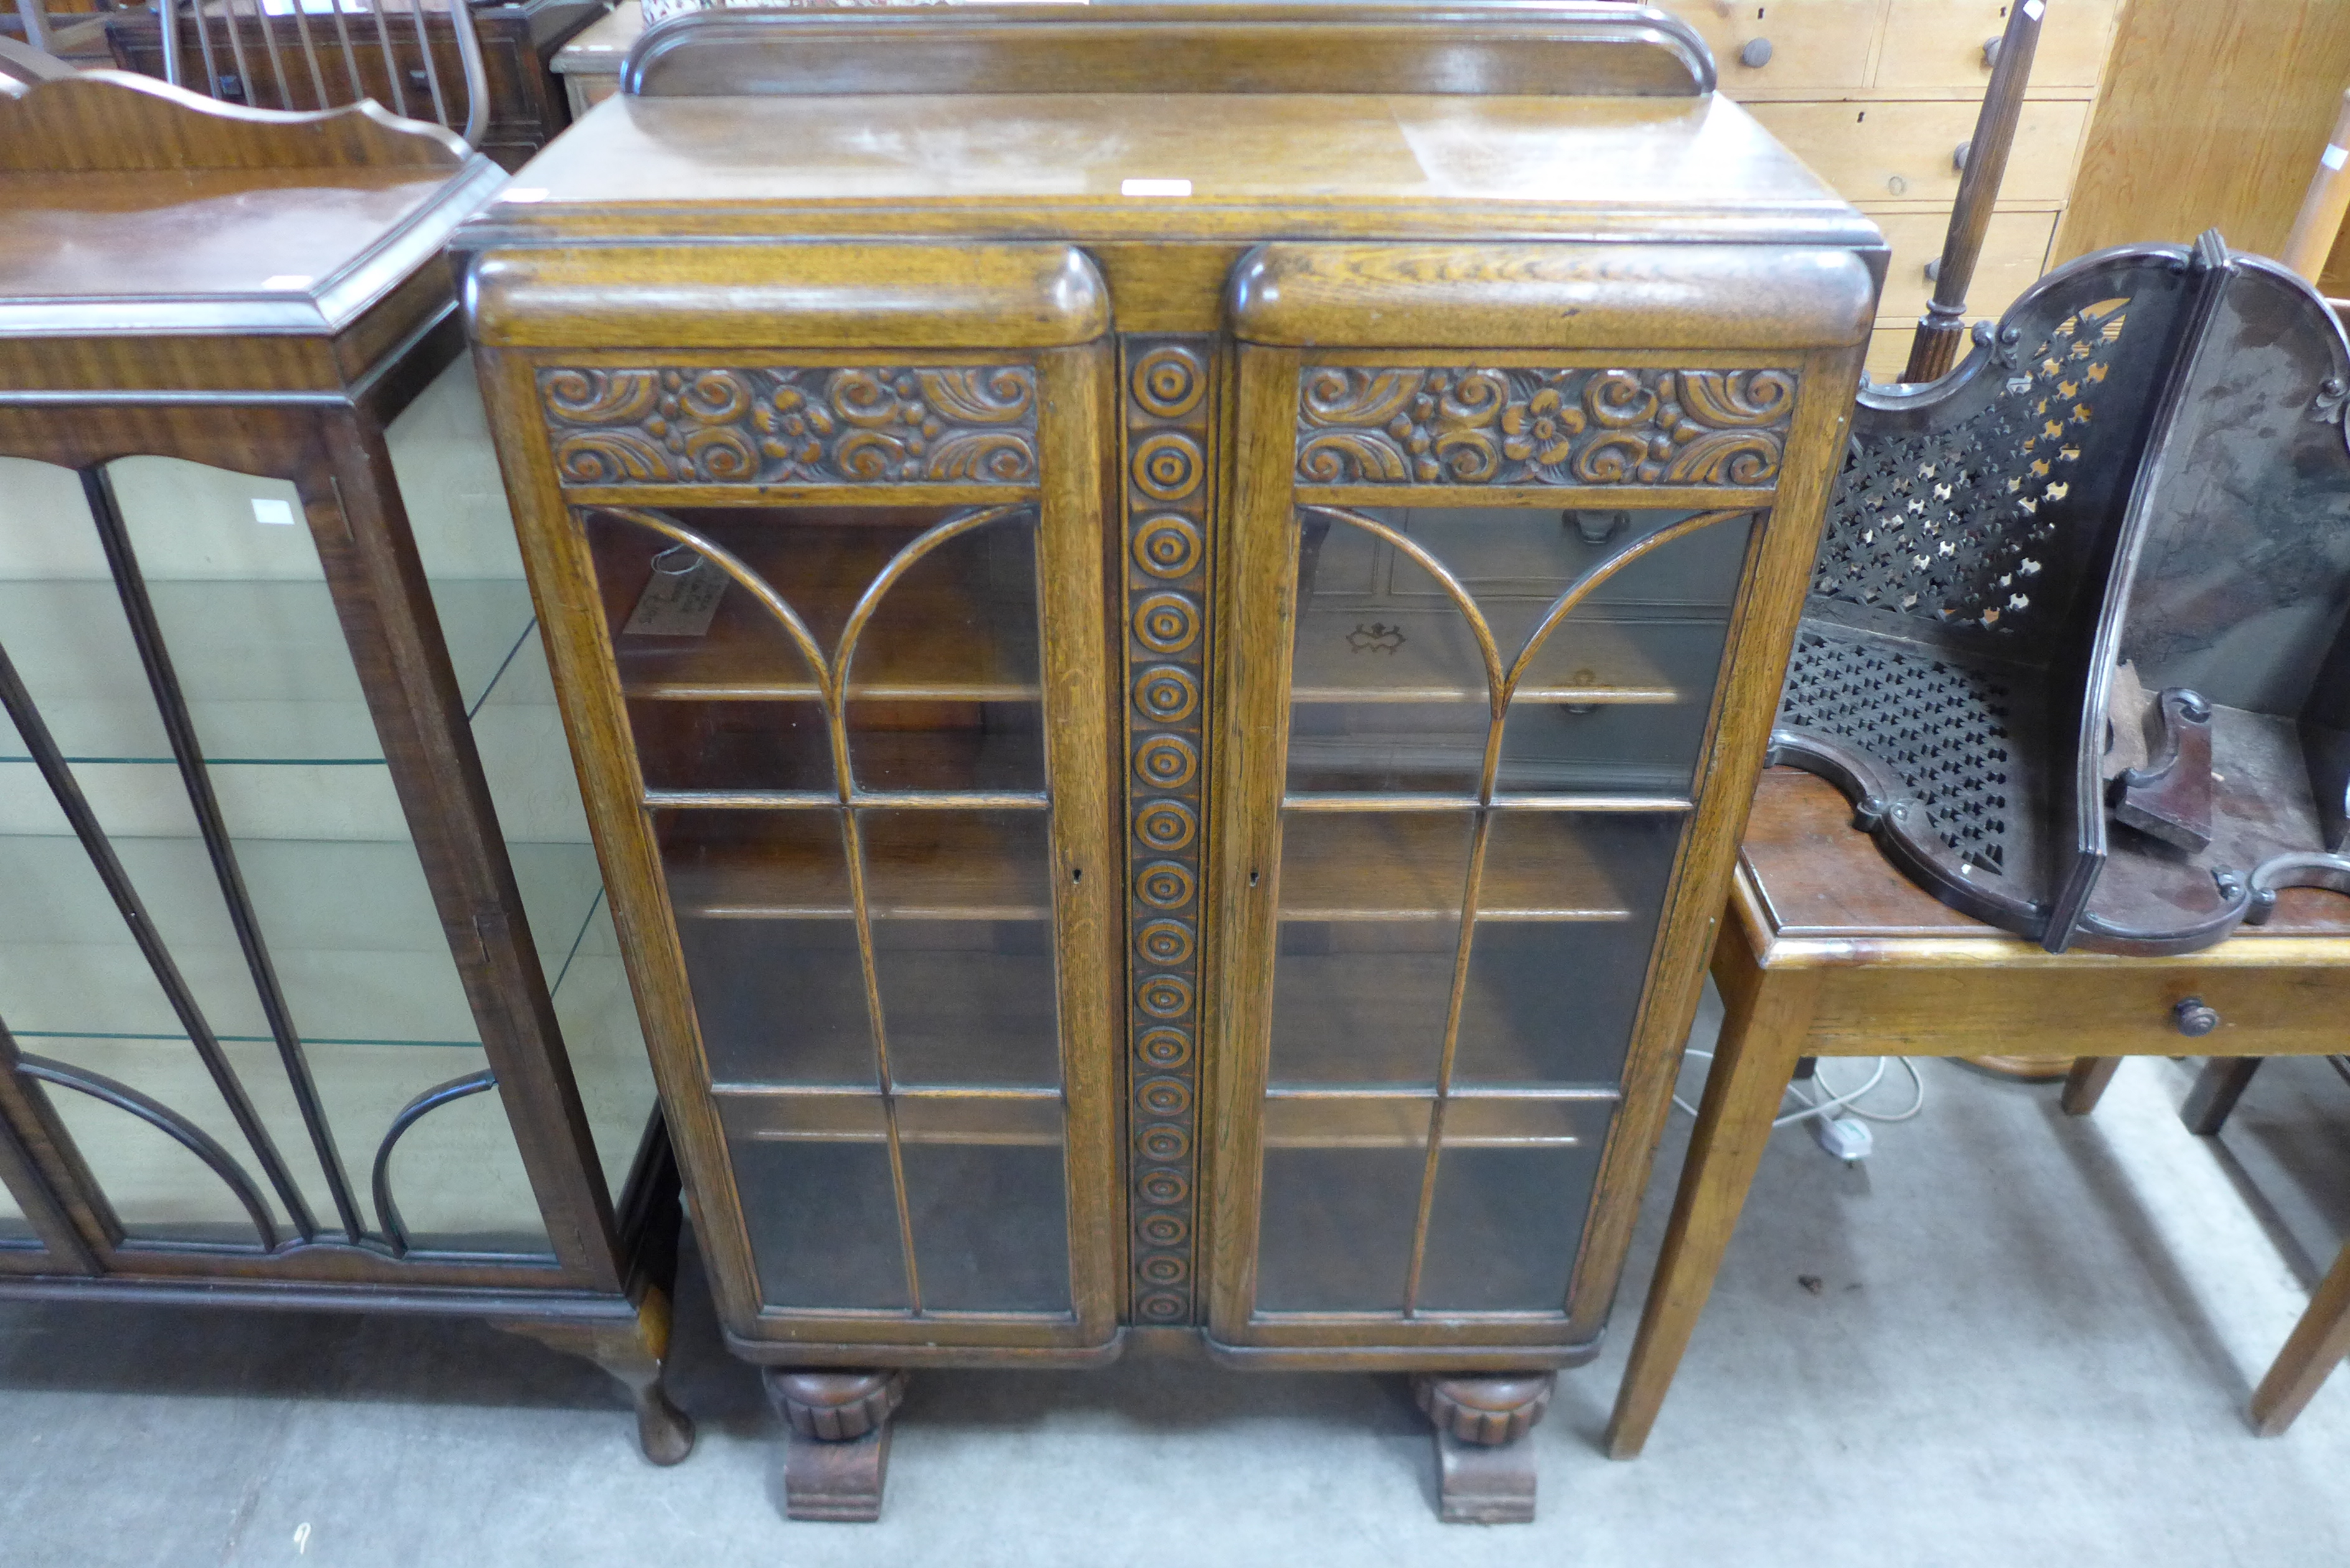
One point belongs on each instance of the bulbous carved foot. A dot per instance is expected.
(1484, 1466)
(837, 1454)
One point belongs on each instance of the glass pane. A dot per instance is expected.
(968, 1001)
(449, 482)
(942, 680)
(1561, 950)
(456, 1176)
(1370, 927)
(823, 1217)
(338, 893)
(1387, 688)
(944, 686)
(1341, 1194)
(1504, 1224)
(990, 1226)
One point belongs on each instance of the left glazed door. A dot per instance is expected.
(831, 643)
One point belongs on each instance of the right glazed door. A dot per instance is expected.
(1482, 609)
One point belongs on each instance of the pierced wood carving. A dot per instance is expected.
(1168, 407)
(1378, 425)
(783, 425)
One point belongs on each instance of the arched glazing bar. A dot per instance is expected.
(832, 672)
(1502, 680)
(387, 1213)
(169, 1122)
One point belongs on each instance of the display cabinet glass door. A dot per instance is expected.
(846, 757)
(227, 989)
(1494, 716)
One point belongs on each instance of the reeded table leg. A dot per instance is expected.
(1484, 1466)
(837, 1456)
(633, 1353)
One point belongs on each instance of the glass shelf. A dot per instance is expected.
(929, 865)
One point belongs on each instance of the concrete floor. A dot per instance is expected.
(2031, 1341)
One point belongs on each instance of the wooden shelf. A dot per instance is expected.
(919, 864)
(1539, 865)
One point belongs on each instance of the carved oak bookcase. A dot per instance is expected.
(307, 995)
(1168, 675)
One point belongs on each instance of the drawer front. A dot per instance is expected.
(2125, 1009)
(2015, 250)
(1906, 150)
(1814, 43)
(1940, 43)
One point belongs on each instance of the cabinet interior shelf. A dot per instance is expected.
(926, 864)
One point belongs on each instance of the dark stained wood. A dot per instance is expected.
(184, 213)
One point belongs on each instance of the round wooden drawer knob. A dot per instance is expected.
(1755, 54)
(2195, 1018)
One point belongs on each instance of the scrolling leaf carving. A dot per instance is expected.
(1378, 425)
(786, 425)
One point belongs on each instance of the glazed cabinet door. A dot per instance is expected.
(1485, 604)
(293, 858)
(829, 620)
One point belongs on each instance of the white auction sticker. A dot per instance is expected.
(523, 193)
(1154, 187)
(2033, 8)
(2335, 156)
(280, 512)
(287, 280)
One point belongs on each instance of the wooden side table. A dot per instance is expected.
(1826, 950)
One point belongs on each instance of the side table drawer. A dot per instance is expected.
(1905, 150)
(2118, 1007)
(1940, 43)
(1814, 43)
(2015, 250)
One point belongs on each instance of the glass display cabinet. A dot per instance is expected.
(1168, 675)
(309, 995)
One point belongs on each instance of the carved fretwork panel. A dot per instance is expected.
(1168, 405)
(1973, 523)
(965, 424)
(1466, 425)
(1943, 726)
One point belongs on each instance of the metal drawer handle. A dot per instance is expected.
(1755, 54)
(2194, 1018)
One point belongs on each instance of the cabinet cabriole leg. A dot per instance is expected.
(1484, 1465)
(837, 1453)
(633, 1354)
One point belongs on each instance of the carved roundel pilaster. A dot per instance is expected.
(1169, 405)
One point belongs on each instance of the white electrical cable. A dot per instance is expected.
(1841, 1102)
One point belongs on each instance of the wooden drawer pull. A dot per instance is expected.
(2195, 1018)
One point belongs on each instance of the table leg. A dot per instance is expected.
(1765, 1017)
(2085, 1086)
(2318, 1340)
(2217, 1087)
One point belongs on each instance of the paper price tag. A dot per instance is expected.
(678, 604)
(2335, 156)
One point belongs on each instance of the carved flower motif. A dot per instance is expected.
(1540, 429)
(795, 428)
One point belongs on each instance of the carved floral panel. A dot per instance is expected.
(1378, 425)
(890, 425)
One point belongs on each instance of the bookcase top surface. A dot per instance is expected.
(1193, 165)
